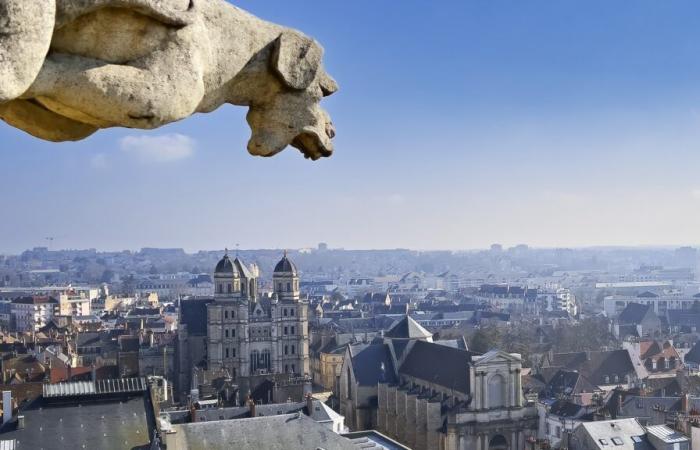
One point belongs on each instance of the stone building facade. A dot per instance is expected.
(252, 336)
(434, 395)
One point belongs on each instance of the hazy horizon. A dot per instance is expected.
(553, 124)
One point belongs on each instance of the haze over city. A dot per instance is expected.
(518, 122)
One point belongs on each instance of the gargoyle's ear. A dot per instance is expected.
(296, 59)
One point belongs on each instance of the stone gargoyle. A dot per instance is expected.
(71, 67)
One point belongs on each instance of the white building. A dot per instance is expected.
(613, 305)
(32, 313)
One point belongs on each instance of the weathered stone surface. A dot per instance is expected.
(70, 67)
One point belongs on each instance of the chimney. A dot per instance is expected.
(6, 406)
(309, 404)
(685, 403)
(193, 413)
(251, 405)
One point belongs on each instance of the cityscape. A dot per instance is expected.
(349, 225)
(500, 348)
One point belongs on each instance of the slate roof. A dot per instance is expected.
(193, 313)
(282, 432)
(596, 365)
(242, 268)
(568, 382)
(407, 328)
(693, 355)
(285, 266)
(439, 364)
(108, 424)
(565, 408)
(226, 266)
(634, 313)
(367, 360)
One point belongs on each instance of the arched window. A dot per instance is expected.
(616, 378)
(606, 379)
(497, 391)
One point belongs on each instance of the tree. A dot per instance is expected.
(485, 339)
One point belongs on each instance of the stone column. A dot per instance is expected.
(518, 388)
(484, 392)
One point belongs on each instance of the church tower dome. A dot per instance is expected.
(226, 278)
(285, 279)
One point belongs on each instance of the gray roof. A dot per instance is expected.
(95, 425)
(634, 313)
(407, 328)
(439, 364)
(226, 266)
(628, 431)
(285, 266)
(283, 432)
(367, 363)
(242, 268)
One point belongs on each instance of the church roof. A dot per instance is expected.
(408, 328)
(439, 364)
(225, 266)
(285, 265)
(242, 268)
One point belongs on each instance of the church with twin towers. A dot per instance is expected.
(251, 335)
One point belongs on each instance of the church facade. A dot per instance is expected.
(253, 336)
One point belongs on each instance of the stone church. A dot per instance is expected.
(256, 339)
(250, 335)
(435, 395)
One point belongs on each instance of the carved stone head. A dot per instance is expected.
(293, 116)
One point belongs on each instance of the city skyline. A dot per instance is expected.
(555, 125)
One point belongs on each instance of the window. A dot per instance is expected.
(291, 312)
(294, 369)
(234, 352)
(559, 432)
(292, 331)
(617, 441)
(606, 380)
(289, 287)
(286, 351)
(229, 288)
(225, 314)
(284, 312)
(233, 314)
(227, 353)
(226, 332)
(285, 330)
(233, 332)
(603, 442)
(617, 379)
(496, 391)
(279, 287)
(292, 349)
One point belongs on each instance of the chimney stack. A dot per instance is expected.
(310, 404)
(6, 406)
(251, 405)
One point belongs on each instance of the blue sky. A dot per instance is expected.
(460, 123)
